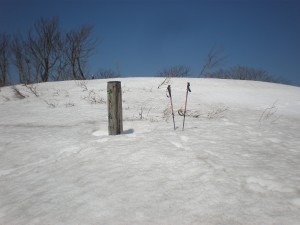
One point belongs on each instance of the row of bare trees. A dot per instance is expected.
(211, 69)
(46, 53)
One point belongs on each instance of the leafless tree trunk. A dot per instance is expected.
(63, 69)
(4, 62)
(78, 48)
(29, 67)
(17, 47)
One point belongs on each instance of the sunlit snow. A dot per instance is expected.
(236, 162)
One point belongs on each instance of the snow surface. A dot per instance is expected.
(236, 162)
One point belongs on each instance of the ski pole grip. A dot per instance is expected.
(169, 91)
(189, 86)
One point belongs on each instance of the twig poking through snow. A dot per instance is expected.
(94, 98)
(51, 104)
(82, 84)
(32, 88)
(18, 93)
(165, 82)
(217, 112)
(268, 113)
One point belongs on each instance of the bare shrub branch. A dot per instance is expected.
(269, 114)
(165, 82)
(32, 88)
(217, 112)
(82, 84)
(6, 98)
(18, 93)
(189, 113)
(141, 112)
(69, 104)
(94, 98)
(51, 104)
(167, 113)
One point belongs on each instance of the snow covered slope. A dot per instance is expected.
(236, 162)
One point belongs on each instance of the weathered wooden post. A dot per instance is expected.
(114, 105)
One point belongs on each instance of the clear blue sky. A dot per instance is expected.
(140, 38)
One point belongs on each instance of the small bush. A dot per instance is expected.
(94, 98)
(82, 84)
(51, 104)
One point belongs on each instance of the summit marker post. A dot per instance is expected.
(114, 105)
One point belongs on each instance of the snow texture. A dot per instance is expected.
(236, 162)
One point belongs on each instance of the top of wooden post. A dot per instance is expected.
(111, 82)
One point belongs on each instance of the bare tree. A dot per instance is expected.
(44, 54)
(36, 57)
(175, 71)
(213, 60)
(4, 59)
(78, 48)
(43, 45)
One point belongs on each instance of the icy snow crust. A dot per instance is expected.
(236, 162)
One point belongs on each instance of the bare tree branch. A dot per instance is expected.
(21, 61)
(78, 48)
(4, 59)
(43, 44)
(213, 60)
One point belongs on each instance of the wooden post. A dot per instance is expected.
(114, 105)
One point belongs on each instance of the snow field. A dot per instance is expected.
(236, 162)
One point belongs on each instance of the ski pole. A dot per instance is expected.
(170, 96)
(186, 97)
